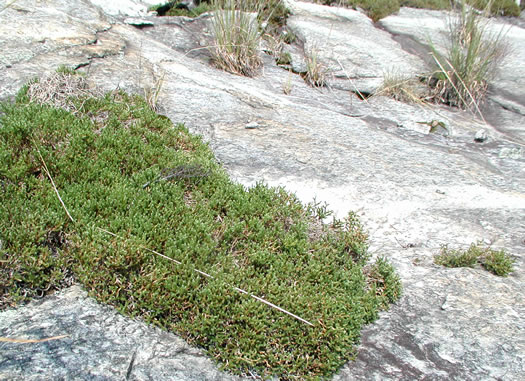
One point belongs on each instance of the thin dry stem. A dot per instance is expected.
(52, 182)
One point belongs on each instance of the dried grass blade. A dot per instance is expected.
(52, 182)
(30, 341)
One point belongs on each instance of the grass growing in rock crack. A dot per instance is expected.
(120, 167)
(400, 87)
(316, 72)
(497, 262)
(471, 60)
(238, 27)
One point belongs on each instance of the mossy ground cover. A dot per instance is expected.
(118, 167)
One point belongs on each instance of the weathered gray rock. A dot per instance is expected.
(100, 344)
(480, 136)
(415, 191)
(357, 54)
(132, 8)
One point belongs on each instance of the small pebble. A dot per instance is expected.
(252, 125)
(481, 136)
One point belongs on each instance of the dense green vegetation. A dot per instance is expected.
(119, 167)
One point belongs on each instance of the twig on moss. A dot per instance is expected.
(212, 277)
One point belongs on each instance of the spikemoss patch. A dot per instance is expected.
(121, 168)
(498, 262)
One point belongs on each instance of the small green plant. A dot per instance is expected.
(316, 72)
(471, 60)
(288, 36)
(236, 38)
(375, 9)
(426, 4)
(497, 262)
(458, 258)
(384, 282)
(284, 58)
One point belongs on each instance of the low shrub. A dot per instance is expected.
(171, 9)
(135, 185)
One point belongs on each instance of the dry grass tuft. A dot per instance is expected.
(236, 38)
(472, 58)
(316, 72)
(58, 90)
(400, 87)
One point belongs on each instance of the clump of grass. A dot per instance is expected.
(400, 87)
(152, 93)
(118, 167)
(497, 262)
(236, 38)
(316, 72)
(471, 61)
(59, 88)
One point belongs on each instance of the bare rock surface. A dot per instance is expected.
(415, 190)
(100, 344)
(355, 52)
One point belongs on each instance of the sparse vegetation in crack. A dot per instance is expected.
(401, 87)
(498, 262)
(316, 71)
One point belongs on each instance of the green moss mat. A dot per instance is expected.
(119, 166)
